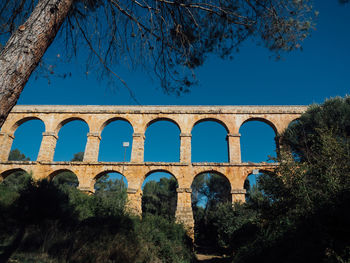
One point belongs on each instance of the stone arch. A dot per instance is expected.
(209, 142)
(264, 120)
(292, 121)
(59, 178)
(100, 174)
(250, 172)
(26, 134)
(250, 180)
(110, 120)
(280, 140)
(264, 170)
(159, 205)
(81, 137)
(221, 122)
(162, 141)
(113, 133)
(251, 138)
(23, 120)
(70, 119)
(213, 171)
(162, 119)
(268, 171)
(158, 171)
(6, 173)
(52, 175)
(203, 204)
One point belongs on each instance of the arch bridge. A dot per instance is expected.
(135, 171)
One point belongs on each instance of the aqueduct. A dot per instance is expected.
(135, 171)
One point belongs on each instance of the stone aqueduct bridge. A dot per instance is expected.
(135, 171)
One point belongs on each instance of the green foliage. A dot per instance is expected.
(209, 192)
(305, 136)
(160, 198)
(54, 222)
(105, 184)
(297, 214)
(210, 189)
(66, 179)
(235, 225)
(167, 242)
(16, 155)
(78, 157)
(109, 198)
(302, 211)
(11, 186)
(14, 182)
(111, 194)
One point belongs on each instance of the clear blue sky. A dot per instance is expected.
(320, 71)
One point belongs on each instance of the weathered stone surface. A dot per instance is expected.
(140, 117)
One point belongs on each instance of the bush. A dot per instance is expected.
(164, 240)
(51, 223)
(305, 215)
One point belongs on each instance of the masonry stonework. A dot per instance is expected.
(47, 147)
(135, 171)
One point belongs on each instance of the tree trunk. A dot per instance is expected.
(26, 47)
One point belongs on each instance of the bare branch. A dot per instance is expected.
(131, 93)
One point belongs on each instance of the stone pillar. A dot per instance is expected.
(6, 140)
(134, 202)
(92, 147)
(86, 182)
(185, 147)
(138, 145)
(184, 214)
(234, 147)
(47, 147)
(238, 195)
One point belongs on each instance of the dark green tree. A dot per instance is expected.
(110, 195)
(303, 215)
(46, 221)
(14, 182)
(198, 190)
(16, 155)
(160, 198)
(105, 184)
(305, 136)
(18, 179)
(68, 178)
(209, 191)
(78, 157)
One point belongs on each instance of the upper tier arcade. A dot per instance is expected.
(135, 171)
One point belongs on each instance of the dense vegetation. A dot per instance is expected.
(300, 213)
(297, 214)
(209, 193)
(54, 222)
(160, 198)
